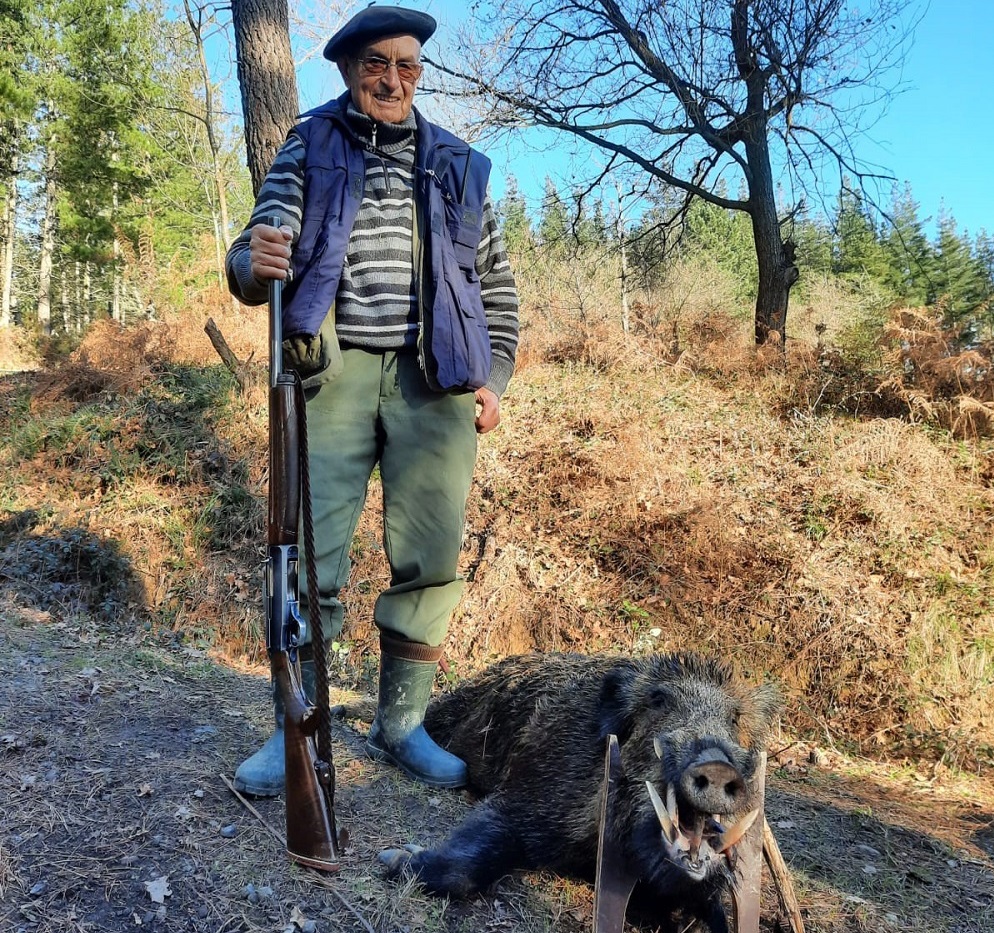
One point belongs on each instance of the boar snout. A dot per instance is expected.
(713, 785)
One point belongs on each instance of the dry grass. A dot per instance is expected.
(634, 498)
(17, 353)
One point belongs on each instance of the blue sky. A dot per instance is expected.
(938, 135)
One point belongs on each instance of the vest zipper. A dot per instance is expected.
(419, 253)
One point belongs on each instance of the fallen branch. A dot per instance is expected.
(275, 833)
(231, 362)
(315, 877)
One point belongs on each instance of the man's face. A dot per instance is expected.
(386, 98)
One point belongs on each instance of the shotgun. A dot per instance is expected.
(311, 839)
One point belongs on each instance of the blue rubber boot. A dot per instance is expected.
(264, 773)
(397, 736)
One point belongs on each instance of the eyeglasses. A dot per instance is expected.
(376, 67)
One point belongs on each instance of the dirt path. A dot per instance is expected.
(115, 817)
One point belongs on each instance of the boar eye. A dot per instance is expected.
(660, 697)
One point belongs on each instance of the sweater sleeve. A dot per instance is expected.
(281, 195)
(500, 300)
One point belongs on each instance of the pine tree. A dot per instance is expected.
(724, 237)
(17, 102)
(958, 277)
(857, 248)
(984, 253)
(87, 58)
(814, 248)
(513, 215)
(906, 247)
(555, 229)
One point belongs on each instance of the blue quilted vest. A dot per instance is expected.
(450, 187)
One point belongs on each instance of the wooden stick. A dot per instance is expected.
(231, 362)
(276, 834)
(781, 879)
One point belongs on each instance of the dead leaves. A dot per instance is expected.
(159, 890)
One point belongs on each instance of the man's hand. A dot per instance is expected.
(488, 411)
(270, 251)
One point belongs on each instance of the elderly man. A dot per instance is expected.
(401, 316)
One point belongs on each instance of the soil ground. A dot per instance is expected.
(116, 815)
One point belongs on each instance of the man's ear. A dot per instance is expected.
(343, 69)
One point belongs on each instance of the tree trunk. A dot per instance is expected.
(64, 303)
(47, 245)
(116, 311)
(222, 238)
(777, 272)
(267, 80)
(8, 231)
(621, 232)
(86, 301)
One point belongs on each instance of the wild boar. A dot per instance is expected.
(533, 730)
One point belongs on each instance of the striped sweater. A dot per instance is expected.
(376, 307)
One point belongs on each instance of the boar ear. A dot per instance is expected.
(616, 705)
(764, 705)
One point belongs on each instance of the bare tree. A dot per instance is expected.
(200, 19)
(697, 94)
(267, 80)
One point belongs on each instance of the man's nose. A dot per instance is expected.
(391, 77)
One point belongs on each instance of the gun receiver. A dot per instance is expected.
(311, 838)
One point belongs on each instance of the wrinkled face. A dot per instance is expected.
(387, 97)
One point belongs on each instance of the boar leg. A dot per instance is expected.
(479, 851)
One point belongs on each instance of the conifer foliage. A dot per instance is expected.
(101, 165)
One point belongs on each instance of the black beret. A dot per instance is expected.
(375, 22)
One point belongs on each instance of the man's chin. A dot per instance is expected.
(388, 112)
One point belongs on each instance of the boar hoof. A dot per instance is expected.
(396, 859)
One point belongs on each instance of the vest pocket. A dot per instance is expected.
(460, 340)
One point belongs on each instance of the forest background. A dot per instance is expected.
(124, 180)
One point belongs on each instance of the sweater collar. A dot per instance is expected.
(387, 137)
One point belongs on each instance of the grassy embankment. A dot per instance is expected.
(824, 523)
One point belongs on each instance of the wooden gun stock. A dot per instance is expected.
(311, 838)
(310, 814)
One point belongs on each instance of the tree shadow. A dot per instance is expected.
(864, 839)
(67, 569)
(129, 499)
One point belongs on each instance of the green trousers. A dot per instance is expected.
(381, 411)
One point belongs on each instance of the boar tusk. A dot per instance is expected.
(669, 830)
(657, 747)
(735, 832)
(671, 805)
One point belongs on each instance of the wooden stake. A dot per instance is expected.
(781, 879)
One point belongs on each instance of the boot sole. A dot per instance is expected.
(257, 791)
(381, 754)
